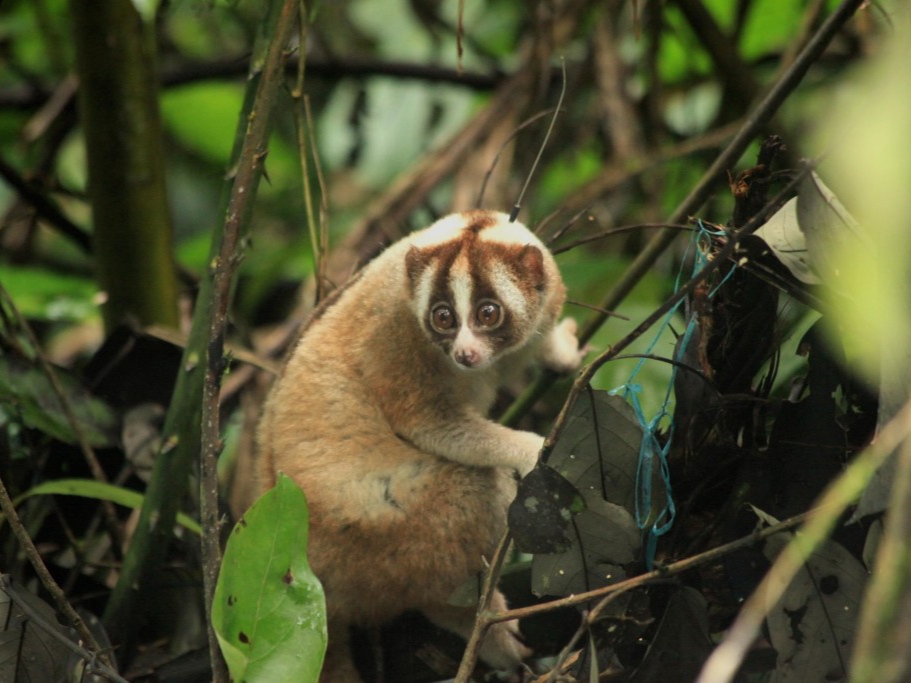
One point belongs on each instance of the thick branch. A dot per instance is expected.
(118, 107)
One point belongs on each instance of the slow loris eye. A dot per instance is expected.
(442, 318)
(489, 314)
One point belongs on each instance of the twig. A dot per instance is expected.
(333, 68)
(588, 619)
(496, 157)
(727, 657)
(238, 353)
(34, 557)
(240, 208)
(619, 230)
(534, 164)
(323, 199)
(592, 307)
(483, 621)
(300, 124)
(734, 73)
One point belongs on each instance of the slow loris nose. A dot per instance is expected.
(467, 357)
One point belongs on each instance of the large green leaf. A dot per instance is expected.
(269, 611)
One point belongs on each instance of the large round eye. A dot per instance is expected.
(442, 318)
(489, 314)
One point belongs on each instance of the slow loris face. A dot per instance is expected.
(477, 287)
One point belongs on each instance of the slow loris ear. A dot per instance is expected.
(416, 262)
(531, 263)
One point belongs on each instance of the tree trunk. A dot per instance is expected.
(118, 105)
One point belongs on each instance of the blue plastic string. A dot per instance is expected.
(651, 450)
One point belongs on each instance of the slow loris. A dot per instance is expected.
(380, 416)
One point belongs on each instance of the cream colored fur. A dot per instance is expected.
(407, 480)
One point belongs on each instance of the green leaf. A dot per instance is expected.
(202, 117)
(269, 611)
(27, 393)
(43, 294)
(89, 488)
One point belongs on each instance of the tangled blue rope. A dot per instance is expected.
(651, 450)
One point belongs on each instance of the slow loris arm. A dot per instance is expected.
(473, 440)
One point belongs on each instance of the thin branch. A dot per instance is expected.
(323, 199)
(239, 211)
(619, 230)
(483, 621)
(94, 666)
(332, 68)
(303, 141)
(735, 75)
(887, 602)
(592, 307)
(534, 164)
(496, 158)
(588, 619)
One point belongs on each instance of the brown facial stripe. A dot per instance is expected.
(418, 259)
(479, 219)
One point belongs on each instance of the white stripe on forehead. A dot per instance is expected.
(444, 230)
(462, 286)
(507, 291)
